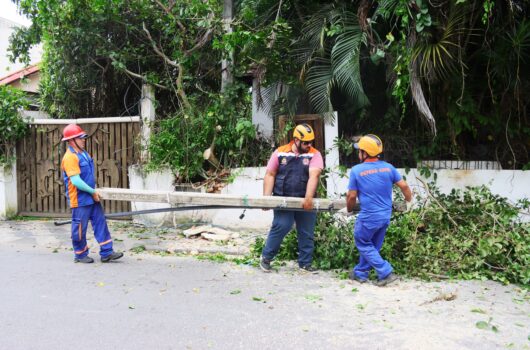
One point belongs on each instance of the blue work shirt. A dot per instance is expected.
(78, 163)
(373, 181)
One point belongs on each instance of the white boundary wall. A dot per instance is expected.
(512, 184)
(248, 181)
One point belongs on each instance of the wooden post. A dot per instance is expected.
(228, 200)
(147, 114)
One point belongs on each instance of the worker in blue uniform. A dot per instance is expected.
(371, 182)
(83, 198)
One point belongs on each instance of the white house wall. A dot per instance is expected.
(6, 67)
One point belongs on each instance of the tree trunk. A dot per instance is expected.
(227, 77)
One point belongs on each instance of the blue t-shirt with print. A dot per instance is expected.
(373, 182)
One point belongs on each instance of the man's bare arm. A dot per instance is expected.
(268, 182)
(312, 183)
(405, 189)
(351, 200)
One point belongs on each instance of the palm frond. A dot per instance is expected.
(438, 57)
(314, 33)
(332, 60)
(345, 56)
(386, 8)
(319, 84)
(419, 97)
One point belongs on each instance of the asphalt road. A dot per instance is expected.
(152, 302)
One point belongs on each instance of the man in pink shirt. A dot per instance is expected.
(293, 171)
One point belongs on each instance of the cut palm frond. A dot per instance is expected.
(421, 102)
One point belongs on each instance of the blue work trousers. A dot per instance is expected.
(369, 237)
(282, 224)
(80, 217)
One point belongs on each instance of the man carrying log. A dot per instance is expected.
(293, 171)
(371, 182)
(80, 183)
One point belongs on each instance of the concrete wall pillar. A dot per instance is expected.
(8, 191)
(331, 132)
(147, 114)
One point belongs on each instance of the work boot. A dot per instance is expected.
(387, 280)
(113, 256)
(265, 264)
(308, 268)
(354, 277)
(84, 260)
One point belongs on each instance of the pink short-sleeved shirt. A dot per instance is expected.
(315, 162)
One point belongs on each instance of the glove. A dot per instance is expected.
(344, 211)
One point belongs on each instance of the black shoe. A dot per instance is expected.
(354, 277)
(113, 256)
(265, 265)
(387, 280)
(85, 260)
(308, 268)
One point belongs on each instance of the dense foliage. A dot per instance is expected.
(12, 126)
(471, 234)
(224, 122)
(436, 79)
(449, 76)
(99, 53)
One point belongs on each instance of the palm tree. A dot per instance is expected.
(329, 53)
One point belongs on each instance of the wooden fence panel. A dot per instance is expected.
(40, 182)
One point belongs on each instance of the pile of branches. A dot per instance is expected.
(469, 234)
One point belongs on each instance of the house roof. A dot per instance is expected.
(19, 74)
(7, 23)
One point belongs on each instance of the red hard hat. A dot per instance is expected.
(72, 131)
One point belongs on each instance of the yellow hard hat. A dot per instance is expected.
(304, 132)
(371, 144)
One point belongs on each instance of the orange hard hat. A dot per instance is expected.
(73, 131)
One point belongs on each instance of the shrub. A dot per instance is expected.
(12, 126)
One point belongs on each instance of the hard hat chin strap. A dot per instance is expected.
(298, 148)
(366, 156)
(76, 145)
